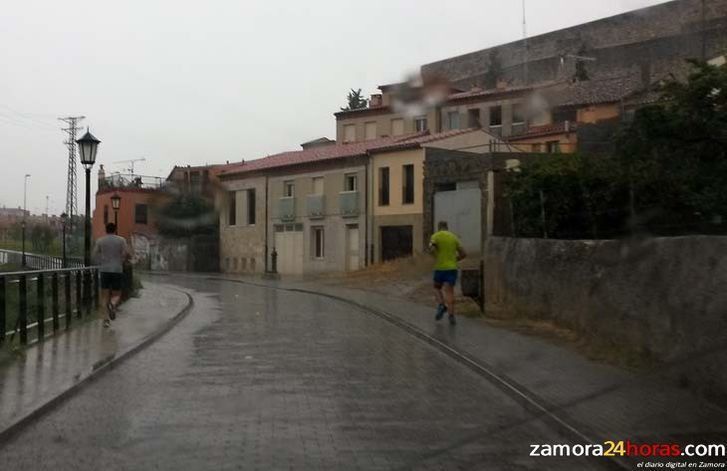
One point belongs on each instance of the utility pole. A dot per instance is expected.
(72, 185)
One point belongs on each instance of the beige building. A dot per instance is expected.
(396, 196)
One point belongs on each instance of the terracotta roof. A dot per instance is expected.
(339, 151)
(479, 92)
(592, 92)
(369, 110)
(546, 130)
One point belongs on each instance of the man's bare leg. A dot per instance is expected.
(449, 297)
(438, 293)
(115, 298)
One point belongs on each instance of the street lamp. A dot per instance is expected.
(25, 211)
(116, 204)
(88, 145)
(64, 221)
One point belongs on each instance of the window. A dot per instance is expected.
(553, 147)
(408, 191)
(289, 189)
(317, 185)
(473, 118)
(370, 130)
(518, 114)
(496, 116)
(351, 182)
(251, 207)
(318, 242)
(232, 208)
(195, 182)
(141, 214)
(420, 123)
(384, 186)
(397, 126)
(453, 119)
(349, 133)
(106, 214)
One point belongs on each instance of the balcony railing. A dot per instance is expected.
(124, 181)
(286, 208)
(315, 206)
(348, 202)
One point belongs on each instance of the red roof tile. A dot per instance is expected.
(338, 151)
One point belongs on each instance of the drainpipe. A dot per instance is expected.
(366, 212)
(266, 224)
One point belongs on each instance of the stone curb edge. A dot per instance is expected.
(98, 369)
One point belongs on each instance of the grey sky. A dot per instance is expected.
(195, 82)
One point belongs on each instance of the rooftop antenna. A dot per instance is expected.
(525, 43)
(131, 163)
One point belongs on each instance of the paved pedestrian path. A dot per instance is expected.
(605, 402)
(44, 371)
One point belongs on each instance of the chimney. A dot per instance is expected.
(376, 101)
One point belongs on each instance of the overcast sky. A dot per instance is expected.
(194, 82)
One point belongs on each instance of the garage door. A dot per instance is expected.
(289, 245)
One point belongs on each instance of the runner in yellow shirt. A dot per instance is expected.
(447, 250)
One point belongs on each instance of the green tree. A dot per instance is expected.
(187, 215)
(355, 100)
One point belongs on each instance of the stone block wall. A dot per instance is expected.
(665, 297)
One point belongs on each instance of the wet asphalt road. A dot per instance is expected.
(255, 378)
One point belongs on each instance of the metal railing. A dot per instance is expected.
(123, 181)
(37, 261)
(28, 297)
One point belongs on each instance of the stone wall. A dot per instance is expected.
(665, 297)
(665, 32)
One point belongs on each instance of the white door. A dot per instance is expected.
(461, 210)
(352, 248)
(289, 246)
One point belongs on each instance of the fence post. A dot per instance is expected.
(87, 291)
(79, 298)
(23, 308)
(67, 299)
(2, 310)
(54, 295)
(40, 308)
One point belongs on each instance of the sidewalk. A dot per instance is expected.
(605, 402)
(45, 372)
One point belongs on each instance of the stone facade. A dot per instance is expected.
(242, 245)
(662, 297)
(661, 36)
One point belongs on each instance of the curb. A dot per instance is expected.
(98, 369)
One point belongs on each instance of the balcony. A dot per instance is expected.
(348, 202)
(315, 206)
(117, 181)
(286, 208)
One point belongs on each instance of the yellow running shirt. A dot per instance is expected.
(445, 245)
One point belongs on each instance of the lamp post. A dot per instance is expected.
(116, 204)
(25, 211)
(64, 221)
(88, 145)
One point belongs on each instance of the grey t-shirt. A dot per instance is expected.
(109, 253)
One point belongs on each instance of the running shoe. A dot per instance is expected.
(112, 311)
(106, 323)
(452, 320)
(441, 309)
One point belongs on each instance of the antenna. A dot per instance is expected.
(525, 43)
(131, 163)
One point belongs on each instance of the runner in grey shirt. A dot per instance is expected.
(109, 253)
